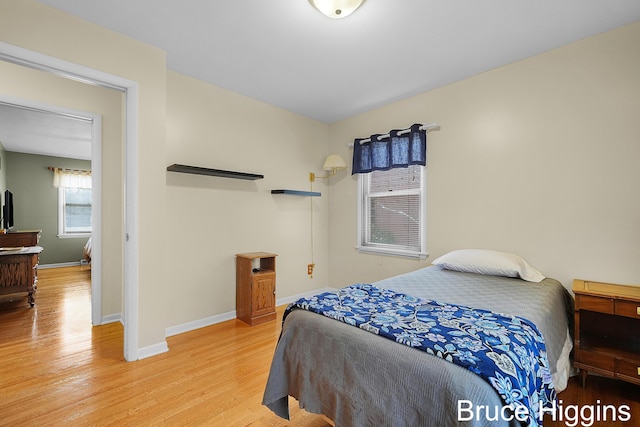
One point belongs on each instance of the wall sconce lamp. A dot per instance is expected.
(333, 164)
(336, 8)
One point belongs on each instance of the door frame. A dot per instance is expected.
(70, 70)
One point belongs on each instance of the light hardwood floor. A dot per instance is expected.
(55, 369)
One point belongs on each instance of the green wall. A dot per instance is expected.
(3, 174)
(36, 202)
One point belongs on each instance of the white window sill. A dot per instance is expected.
(392, 252)
(74, 235)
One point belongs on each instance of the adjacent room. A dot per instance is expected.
(251, 163)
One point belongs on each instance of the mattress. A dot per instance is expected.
(359, 379)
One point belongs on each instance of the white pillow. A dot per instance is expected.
(489, 262)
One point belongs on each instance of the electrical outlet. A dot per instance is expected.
(310, 269)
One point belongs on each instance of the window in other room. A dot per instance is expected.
(74, 212)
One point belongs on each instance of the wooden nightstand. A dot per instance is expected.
(256, 287)
(607, 330)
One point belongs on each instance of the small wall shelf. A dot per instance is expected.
(213, 172)
(297, 193)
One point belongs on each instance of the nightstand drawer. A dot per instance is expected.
(628, 370)
(595, 359)
(599, 304)
(628, 309)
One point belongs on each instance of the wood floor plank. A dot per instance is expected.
(59, 370)
(72, 373)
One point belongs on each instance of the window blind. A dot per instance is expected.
(392, 213)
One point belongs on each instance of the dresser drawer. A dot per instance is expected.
(595, 360)
(25, 238)
(591, 303)
(629, 370)
(627, 309)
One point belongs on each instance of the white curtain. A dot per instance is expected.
(71, 178)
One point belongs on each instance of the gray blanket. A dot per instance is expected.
(360, 379)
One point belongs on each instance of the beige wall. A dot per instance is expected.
(186, 264)
(537, 158)
(211, 219)
(29, 86)
(34, 26)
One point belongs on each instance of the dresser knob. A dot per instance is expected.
(638, 311)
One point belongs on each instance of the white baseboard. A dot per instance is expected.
(57, 265)
(197, 324)
(112, 318)
(153, 350)
(212, 320)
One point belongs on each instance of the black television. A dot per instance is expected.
(7, 210)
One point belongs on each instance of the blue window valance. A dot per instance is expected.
(399, 149)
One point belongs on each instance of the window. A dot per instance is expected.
(74, 211)
(392, 212)
(74, 201)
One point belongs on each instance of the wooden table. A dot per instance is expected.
(607, 330)
(18, 271)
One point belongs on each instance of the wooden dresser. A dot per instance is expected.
(607, 330)
(20, 238)
(19, 255)
(256, 287)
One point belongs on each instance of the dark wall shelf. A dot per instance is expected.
(297, 193)
(213, 172)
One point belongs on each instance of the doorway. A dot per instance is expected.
(38, 61)
(37, 129)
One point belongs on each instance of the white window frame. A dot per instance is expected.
(62, 232)
(364, 246)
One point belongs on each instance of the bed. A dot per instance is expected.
(356, 378)
(86, 251)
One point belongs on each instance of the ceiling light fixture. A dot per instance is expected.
(336, 8)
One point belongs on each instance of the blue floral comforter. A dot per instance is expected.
(507, 351)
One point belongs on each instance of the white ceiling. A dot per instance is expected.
(34, 131)
(285, 53)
